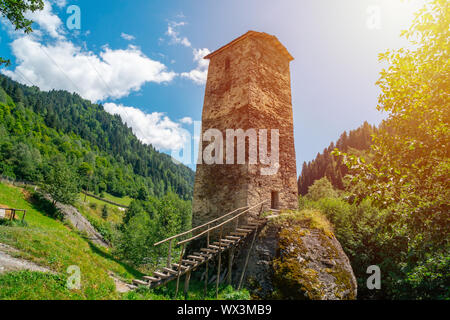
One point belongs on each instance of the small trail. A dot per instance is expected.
(8, 263)
(121, 286)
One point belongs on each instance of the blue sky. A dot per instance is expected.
(142, 59)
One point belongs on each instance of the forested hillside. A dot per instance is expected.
(38, 127)
(327, 165)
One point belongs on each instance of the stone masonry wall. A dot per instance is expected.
(248, 86)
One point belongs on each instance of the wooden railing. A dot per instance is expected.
(12, 215)
(208, 230)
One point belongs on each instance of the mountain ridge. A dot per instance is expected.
(27, 112)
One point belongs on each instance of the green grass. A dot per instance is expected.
(125, 201)
(93, 207)
(310, 218)
(196, 292)
(53, 244)
(92, 210)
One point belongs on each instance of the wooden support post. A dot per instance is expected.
(24, 213)
(169, 257)
(206, 279)
(179, 270)
(246, 259)
(230, 265)
(220, 260)
(207, 265)
(186, 284)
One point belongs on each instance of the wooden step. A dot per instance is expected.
(170, 271)
(189, 262)
(152, 279)
(140, 282)
(213, 247)
(243, 230)
(222, 245)
(242, 234)
(233, 238)
(228, 241)
(248, 227)
(198, 258)
(161, 275)
(182, 267)
(208, 250)
(206, 255)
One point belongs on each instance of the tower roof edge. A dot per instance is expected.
(252, 33)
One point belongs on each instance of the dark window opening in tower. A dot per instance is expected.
(275, 200)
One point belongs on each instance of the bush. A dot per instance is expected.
(321, 189)
(147, 222)
(105, 212)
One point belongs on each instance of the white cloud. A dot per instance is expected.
(154, 128)
(111, 74)
(187, 120)
(128, 37)
(47, 21)
(60, 64)
(60, 3)
(200, 73)
(175, 35)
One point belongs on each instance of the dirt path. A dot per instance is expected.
(121, 286)
(8, 263)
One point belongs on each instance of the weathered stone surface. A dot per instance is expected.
(248, 87)
(296, 256)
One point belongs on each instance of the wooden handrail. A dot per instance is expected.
(198, 227)
(221, 224)
(13, 209)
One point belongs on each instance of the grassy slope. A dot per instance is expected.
(123, 201)
(52, 244)
(92, 210)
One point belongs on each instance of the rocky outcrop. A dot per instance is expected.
(80, 223)
(296, 256)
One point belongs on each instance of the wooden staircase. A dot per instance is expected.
(188, 263)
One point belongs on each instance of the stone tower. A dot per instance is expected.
(248, 88)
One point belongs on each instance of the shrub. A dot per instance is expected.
(321, 189)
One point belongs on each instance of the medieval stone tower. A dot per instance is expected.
(248, 88)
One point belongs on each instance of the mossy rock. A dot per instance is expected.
(306, 262)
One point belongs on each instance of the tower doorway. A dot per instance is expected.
(275, 200)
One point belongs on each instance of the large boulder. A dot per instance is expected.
(297, 256)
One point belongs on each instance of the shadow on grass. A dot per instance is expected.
(130, 269)
(43, 205)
